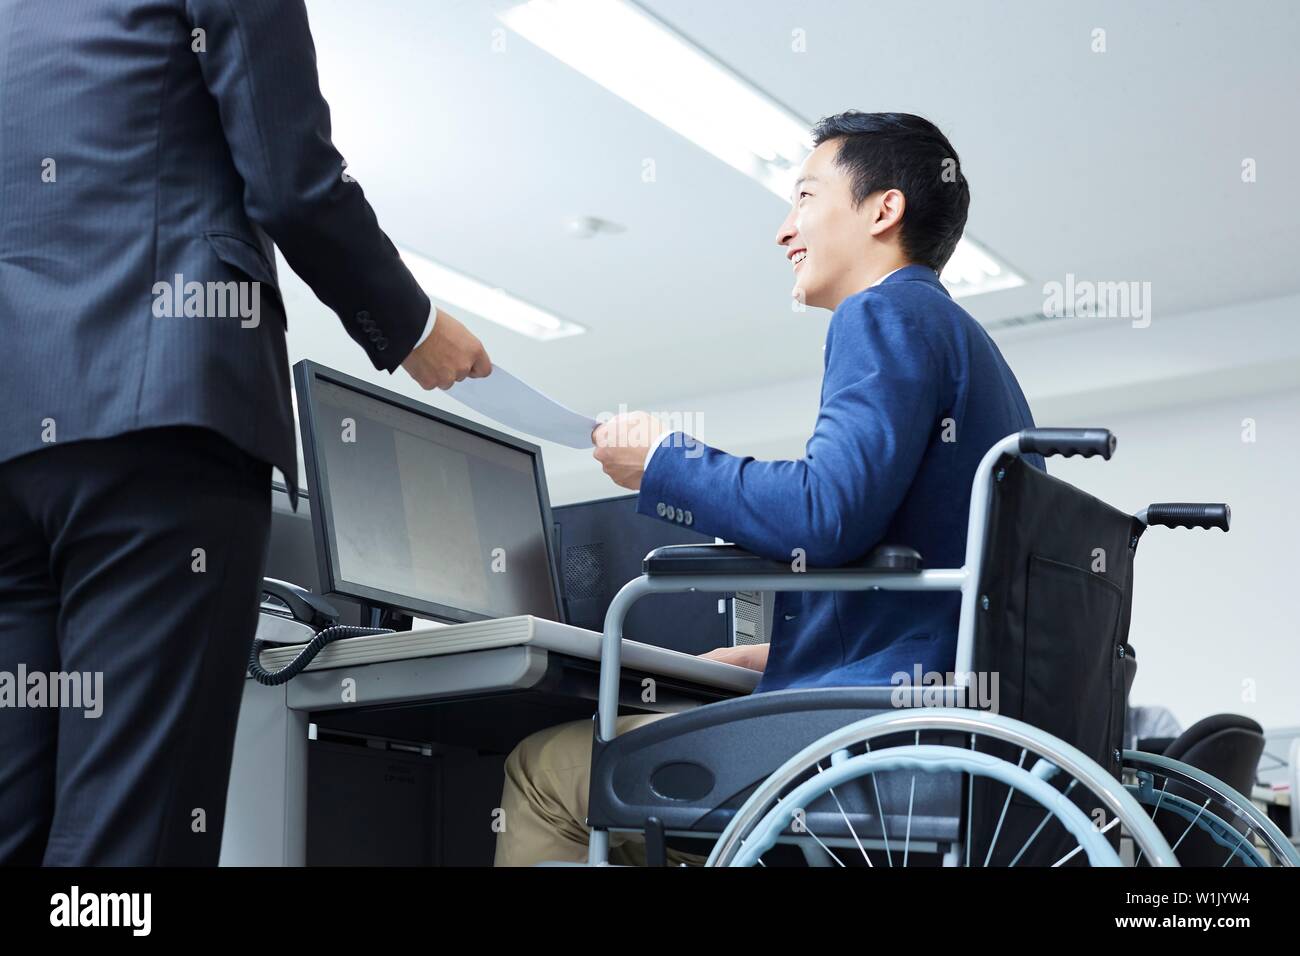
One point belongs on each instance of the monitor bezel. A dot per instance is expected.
(305, 374)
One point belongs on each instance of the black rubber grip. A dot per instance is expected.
(1187, 515)
(1067, 442)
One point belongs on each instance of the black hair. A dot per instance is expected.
(908, 153)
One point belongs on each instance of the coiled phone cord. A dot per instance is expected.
(291, 670)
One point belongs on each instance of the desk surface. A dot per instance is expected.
(1278, 796)
(524, 630)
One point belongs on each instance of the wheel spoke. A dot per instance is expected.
(1159, 800)
(907, 839)
(1245, 837)
(1003, 815)
(970, 799)
(911, 801)
(880, 815)
(847, 822)
(1192, 824)
(829, 851)
(1080, 846)
(1039, 829)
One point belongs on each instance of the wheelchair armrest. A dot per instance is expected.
(729, 559)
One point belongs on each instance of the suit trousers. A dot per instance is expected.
(130, 571)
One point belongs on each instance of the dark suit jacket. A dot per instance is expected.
(134, 150)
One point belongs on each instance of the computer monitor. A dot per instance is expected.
(421, 511)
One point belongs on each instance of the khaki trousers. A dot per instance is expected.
(544, 801)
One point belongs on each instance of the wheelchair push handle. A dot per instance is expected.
(1067, 442)
(1188, 515)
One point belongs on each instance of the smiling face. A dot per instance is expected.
(835, 248)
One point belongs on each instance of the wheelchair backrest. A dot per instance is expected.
(1057, 573)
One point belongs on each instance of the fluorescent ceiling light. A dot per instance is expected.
(637, 57)
(972, 270)
(461, 292)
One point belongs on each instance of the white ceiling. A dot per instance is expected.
(1123, 165)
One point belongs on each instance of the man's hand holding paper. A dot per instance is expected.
(623, 446)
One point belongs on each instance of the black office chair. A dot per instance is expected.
(1038, 608)
(1228, 746)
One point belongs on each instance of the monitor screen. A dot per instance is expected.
(419, 510)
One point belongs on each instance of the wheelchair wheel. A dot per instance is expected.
(1207, 822)
(1052, 785)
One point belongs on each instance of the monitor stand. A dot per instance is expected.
(379, 615)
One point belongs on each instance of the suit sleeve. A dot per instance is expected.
(260, 66)
(837, 502)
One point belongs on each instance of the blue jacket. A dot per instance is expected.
(913, 394)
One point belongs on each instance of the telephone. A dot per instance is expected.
(290, 614)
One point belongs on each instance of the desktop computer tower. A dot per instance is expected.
(599, 547)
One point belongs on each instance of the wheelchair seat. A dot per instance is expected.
(693, 770)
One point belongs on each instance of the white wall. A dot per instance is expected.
(1215, 620)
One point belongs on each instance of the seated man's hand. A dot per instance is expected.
(753, 656)
(451, 353)
(622, 443)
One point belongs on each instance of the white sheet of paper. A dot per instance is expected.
(515, 403)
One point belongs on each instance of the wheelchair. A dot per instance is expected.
(890, 776)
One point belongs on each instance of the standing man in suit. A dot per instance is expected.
(151, 152)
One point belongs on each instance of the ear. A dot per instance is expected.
(888, 211)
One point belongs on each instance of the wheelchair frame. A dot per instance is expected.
(966, 580)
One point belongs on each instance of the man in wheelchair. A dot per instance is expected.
(914, 392)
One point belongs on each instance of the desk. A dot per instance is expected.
(438, 707)
(1276, 802)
